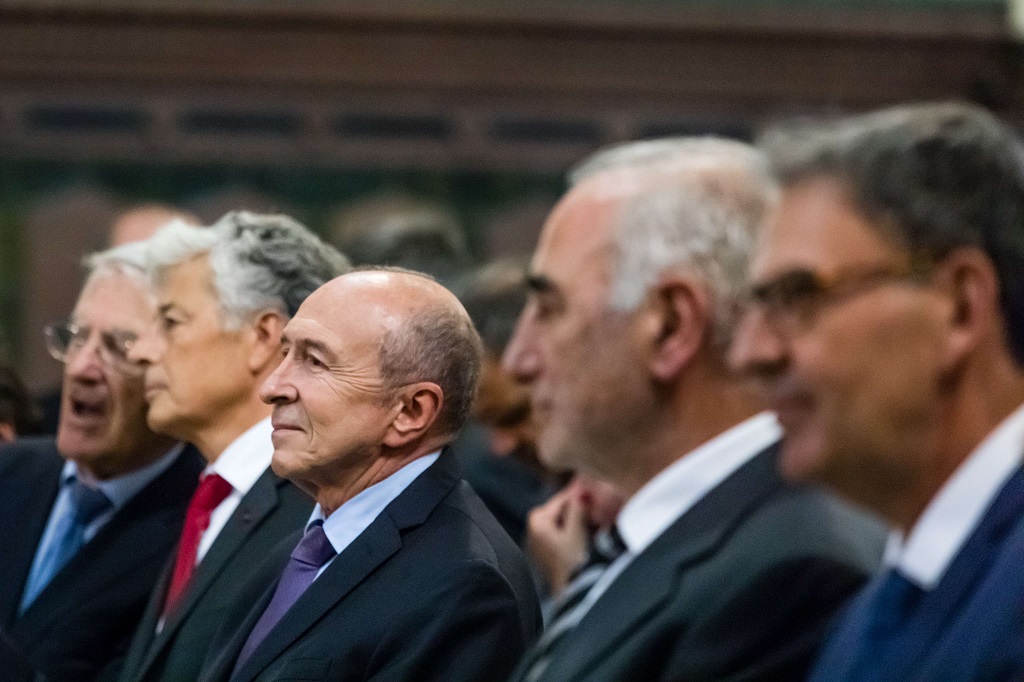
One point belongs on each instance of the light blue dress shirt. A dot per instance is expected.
(350, 519)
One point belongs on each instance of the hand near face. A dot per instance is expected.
(557, 536)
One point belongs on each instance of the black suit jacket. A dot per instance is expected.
(433, 589)
(741, 587)
(79, 626)
(235, 567)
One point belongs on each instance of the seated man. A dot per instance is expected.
(224, 293)
(88, 520)
(714, 569)
(887, 326)
(402, 573)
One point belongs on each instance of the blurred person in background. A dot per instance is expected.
(19, 414)
(134, 224)
(403, 231)
(715, 568)
(87, 520)
(887, 326)
(224, 295)
(498, 448)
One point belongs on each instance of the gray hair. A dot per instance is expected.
(438, 344)
(259, 262)
(932, 177)
(130, 260)
(700, 206)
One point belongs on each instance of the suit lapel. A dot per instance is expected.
(25, 503)
(657, 572)
(374, 546)
(259, 502)
(142, 529)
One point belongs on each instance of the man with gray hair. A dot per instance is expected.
(402, 574)
(88, 519)
(715, 569)
(224, 294)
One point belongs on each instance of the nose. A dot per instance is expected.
(86, 364)
(149, 347)
(278, 388)
(521, 359)
(756, 350)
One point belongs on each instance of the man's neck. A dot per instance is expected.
(218, 434)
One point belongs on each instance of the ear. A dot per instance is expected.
(419, 407)
(7, 433)
(678, 320)
(264, 335)
(968, 278)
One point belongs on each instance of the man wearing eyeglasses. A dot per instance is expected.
(224, 293)
(88, 520)
(886, 323)
(715, 569)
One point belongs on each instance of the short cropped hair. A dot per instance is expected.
(931, 177)
(259, 262)
(437, 344)
(700, 206)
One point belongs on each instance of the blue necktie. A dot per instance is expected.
(308, 557)
(884, 615)
(86, 504)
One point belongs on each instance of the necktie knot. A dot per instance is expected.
(211, 491)
(88, 503)
(315, 549)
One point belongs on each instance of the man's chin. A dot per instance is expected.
(802, 457)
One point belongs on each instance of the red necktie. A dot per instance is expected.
(209, 494)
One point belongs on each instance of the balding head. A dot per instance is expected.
(380, 368)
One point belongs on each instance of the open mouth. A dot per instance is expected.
(89, 409)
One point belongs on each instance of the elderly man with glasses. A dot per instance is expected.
(88, 520)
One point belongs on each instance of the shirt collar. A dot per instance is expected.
(121, 489)
(353, 517)
(246, 458)
(683, 483)
(954, 513)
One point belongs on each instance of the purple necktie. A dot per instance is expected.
(312, 552)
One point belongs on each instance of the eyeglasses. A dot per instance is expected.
(791, 301)
(64, 341)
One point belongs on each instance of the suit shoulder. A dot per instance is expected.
(30, 457)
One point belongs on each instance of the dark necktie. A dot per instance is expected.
(86, 505)
(606, 547)
(211, 491)
(308, 557)
(886, 611)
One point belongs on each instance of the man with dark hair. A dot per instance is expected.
(225, 293)
(88, 520)
(886, 322)
(401, 574)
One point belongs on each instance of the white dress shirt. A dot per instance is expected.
(953, 514)
(677, 488)
(241, 464)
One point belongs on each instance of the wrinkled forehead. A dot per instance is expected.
(817, 227)
(115, 300)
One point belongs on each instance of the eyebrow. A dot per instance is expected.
(304, 344)
(539, 284)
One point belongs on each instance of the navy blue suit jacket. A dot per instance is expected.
(969, 628)
(433, 589)
(79, 626)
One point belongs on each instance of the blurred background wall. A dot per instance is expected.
(475, 106)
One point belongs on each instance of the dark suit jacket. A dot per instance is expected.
(433, 589)
(740, 587)
(968, 628)
(79, 626)
(235, 567)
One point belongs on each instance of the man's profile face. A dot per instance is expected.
(103, 410)
(571, 350)
(196, 369)
(330, 409)
(852, 364)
